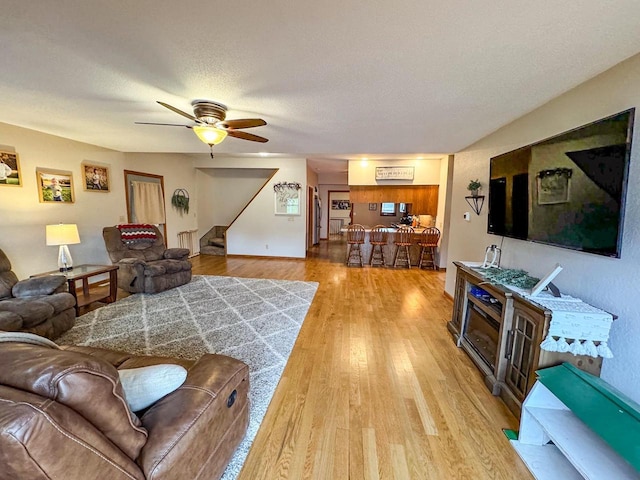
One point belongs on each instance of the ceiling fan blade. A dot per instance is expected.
(179, 112)
(242, 123)
(247, 136)
(164, 124)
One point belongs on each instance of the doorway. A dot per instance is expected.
(145, 199)
(339, 213)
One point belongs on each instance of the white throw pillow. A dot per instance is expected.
(146, 385)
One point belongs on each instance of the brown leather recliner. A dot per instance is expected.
(39, 305)
(63, 416)
(149, 266)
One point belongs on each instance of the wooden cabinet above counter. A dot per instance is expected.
(424, 198)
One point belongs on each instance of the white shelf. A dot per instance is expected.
(546, 462)
(577, 451)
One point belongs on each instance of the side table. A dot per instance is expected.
(84, 272)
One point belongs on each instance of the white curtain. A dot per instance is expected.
(148, 203)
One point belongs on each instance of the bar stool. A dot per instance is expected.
(428, 241)
(403, 240)
(355, 239)
(378, 238)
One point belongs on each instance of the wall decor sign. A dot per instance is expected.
(95, 177)
(10, 169)
(394, 173)
(54, 186)
(287, 198)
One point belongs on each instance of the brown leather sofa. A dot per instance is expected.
(63, 416)
(39, 305)
(147, 267)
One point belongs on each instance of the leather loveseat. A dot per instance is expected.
(39, 305)
(63, 415)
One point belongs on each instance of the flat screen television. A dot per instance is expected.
(568, 190)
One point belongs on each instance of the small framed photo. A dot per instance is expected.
(10, 169)
(373, 206)
(340, 205)
(95, 177)
(55, 186)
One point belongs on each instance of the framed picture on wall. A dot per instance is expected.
(54, 186)
(287, 201)
(373, 206)
(340, 205)
(10, 169)
(95, 177)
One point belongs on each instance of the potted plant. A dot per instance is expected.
(474, 186)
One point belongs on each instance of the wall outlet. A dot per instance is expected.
(121, 218)
(467, 216)
(266, 247)
(291, 219)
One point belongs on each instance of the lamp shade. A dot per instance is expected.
(210, 135)
(62, 234)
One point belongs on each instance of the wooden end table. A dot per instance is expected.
(85, 272)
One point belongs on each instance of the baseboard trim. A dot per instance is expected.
(237, 255)
(448, 295)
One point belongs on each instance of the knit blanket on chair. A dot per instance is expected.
(133, 233)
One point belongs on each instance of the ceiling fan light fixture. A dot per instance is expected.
(210, 135)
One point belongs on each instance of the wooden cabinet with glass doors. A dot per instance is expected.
(522, 327)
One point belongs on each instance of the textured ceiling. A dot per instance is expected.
(331, 78)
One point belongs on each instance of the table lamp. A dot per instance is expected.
(63, 235)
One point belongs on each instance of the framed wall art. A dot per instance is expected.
(95, 177)
(340, 205)
(394, 173)
(287, 196)
(54, 186)
(10, 169)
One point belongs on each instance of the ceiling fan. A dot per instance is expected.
(211, 125)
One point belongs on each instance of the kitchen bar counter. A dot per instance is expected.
(390, 248)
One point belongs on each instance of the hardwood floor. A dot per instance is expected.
(375, 387)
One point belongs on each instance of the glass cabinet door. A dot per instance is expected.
(520, 354)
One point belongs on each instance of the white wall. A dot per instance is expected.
(223, 193)
(426, 172)
(607, 283)
(22, 235)
(259, 231)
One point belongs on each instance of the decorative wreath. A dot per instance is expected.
(180, 200)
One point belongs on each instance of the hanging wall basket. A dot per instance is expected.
(180, 200)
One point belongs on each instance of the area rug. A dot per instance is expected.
(254, 320)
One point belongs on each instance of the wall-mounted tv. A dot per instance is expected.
(568, 190)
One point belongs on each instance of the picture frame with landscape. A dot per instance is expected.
(10, 169)
(96, 177)
(55, 186)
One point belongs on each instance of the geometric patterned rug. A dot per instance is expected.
(254, 320)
